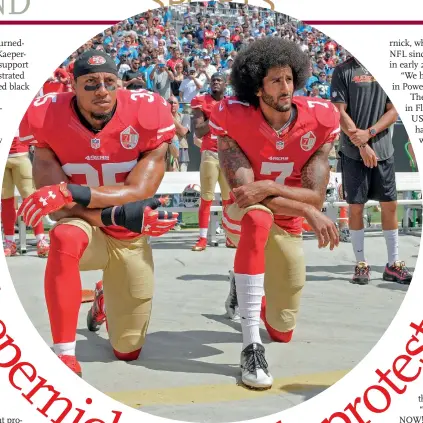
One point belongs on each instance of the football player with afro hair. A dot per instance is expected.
(252, 65)
(273, 149)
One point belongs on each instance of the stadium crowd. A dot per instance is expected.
(175, 50)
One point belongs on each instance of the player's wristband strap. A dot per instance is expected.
(113, 216)
(80, 194)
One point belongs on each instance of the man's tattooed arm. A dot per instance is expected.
(315, 175)
(314, 179)
(233, 162)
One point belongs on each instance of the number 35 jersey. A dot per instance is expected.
(278, 157)
(142, 122)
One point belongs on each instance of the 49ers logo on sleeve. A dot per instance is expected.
(129, 138)
(307, 141)
(96, 60)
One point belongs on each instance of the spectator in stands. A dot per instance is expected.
(209, 37)
(176, 57)
(134, 79)
(192, 85)
(177, 80)
(162, 77)
(319, 67)
(127, 49)
(123, 66)
(113, 54)
(146, 69)
(322, 85)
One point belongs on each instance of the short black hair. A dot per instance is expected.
(252, 64)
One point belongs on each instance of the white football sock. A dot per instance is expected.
(391, 238)
(250, 291)
(357, 241)
(39, 237)
(67, 348)
(10, 238)
(203, 232)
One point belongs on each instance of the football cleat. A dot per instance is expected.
(71, 362)
(200, 245)
(231, 303)
(97, 314)
(10, 249)
(361, 274)
(254, 367)
(344, 235)
(43, 248)
(398, 272)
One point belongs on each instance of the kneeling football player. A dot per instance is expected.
(99, 160)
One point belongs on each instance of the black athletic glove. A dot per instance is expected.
(140, 217)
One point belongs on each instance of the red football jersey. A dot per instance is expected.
(142, 122)
(278, 157)
(206, 103)
(17, 147)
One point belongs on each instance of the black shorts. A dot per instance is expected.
(361, 183)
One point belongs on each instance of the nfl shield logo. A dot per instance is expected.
(280, 145)
(129, 138)
(307, 141)
(95, 143)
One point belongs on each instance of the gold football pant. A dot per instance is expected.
(284, 276)
(210, 174)
(18, 173)
(128, 280)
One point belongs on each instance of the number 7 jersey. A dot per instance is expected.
(141, 123)
(278, 157)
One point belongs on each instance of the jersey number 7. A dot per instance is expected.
(284, 169)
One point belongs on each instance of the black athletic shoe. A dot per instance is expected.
(398, 272)
(231, 303)
(361, 274)
(254, 367)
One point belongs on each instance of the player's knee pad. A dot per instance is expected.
(207, 195)
(68, 239)
(127, 327)
(280, 325)
(281, 322)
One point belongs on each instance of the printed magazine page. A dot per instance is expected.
(211, 211)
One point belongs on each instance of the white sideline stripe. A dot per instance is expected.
(166, 129)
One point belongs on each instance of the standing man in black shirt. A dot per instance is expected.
(367, 160)
(134, 79)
